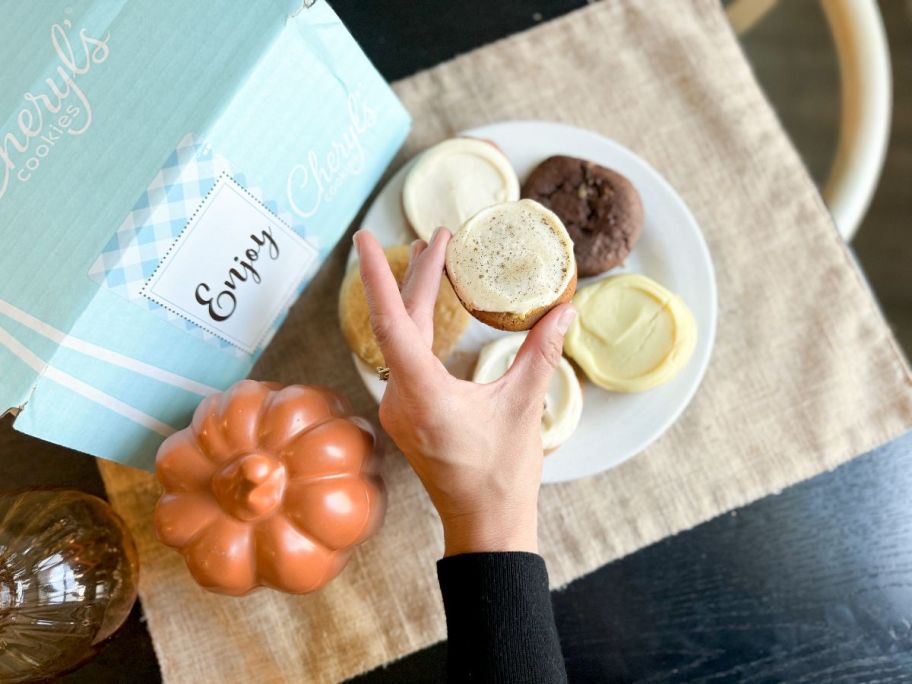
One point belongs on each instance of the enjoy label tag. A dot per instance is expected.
(233, 269)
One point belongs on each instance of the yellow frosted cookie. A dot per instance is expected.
(450, 317)
(630, 333)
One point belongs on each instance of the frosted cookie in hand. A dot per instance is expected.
(563, 400)
(452, 181)
(512, 263)
(630, 333)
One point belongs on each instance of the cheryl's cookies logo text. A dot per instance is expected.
(59, 109)
(312, 184)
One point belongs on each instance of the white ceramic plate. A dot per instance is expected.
(671, 250)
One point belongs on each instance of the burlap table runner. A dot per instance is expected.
(804, 376)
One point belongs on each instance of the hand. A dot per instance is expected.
(476, 448)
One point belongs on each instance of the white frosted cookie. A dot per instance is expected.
(452, 181)
(563, 401)
(511, 263)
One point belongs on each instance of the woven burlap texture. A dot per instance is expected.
(804, 374)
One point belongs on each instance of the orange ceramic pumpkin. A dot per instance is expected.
(269, 486)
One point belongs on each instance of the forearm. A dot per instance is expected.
(499, 618)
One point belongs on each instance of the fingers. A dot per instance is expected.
(540, 354)
(415, 250)
(419, 292)
(396, 334)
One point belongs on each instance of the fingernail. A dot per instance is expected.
(437, 232)
(565, 319)
(355, 241)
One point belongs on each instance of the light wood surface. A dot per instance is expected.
(792, 54)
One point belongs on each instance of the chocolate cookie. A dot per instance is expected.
(600, 208)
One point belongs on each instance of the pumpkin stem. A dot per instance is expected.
(250, 487)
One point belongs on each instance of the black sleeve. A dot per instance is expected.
(499, 619)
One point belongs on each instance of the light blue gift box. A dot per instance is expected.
(172, 174)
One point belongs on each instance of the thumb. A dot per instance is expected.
(540, 353)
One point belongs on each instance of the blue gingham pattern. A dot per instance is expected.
(133, 253)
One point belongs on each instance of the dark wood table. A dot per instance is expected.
(811, 585)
